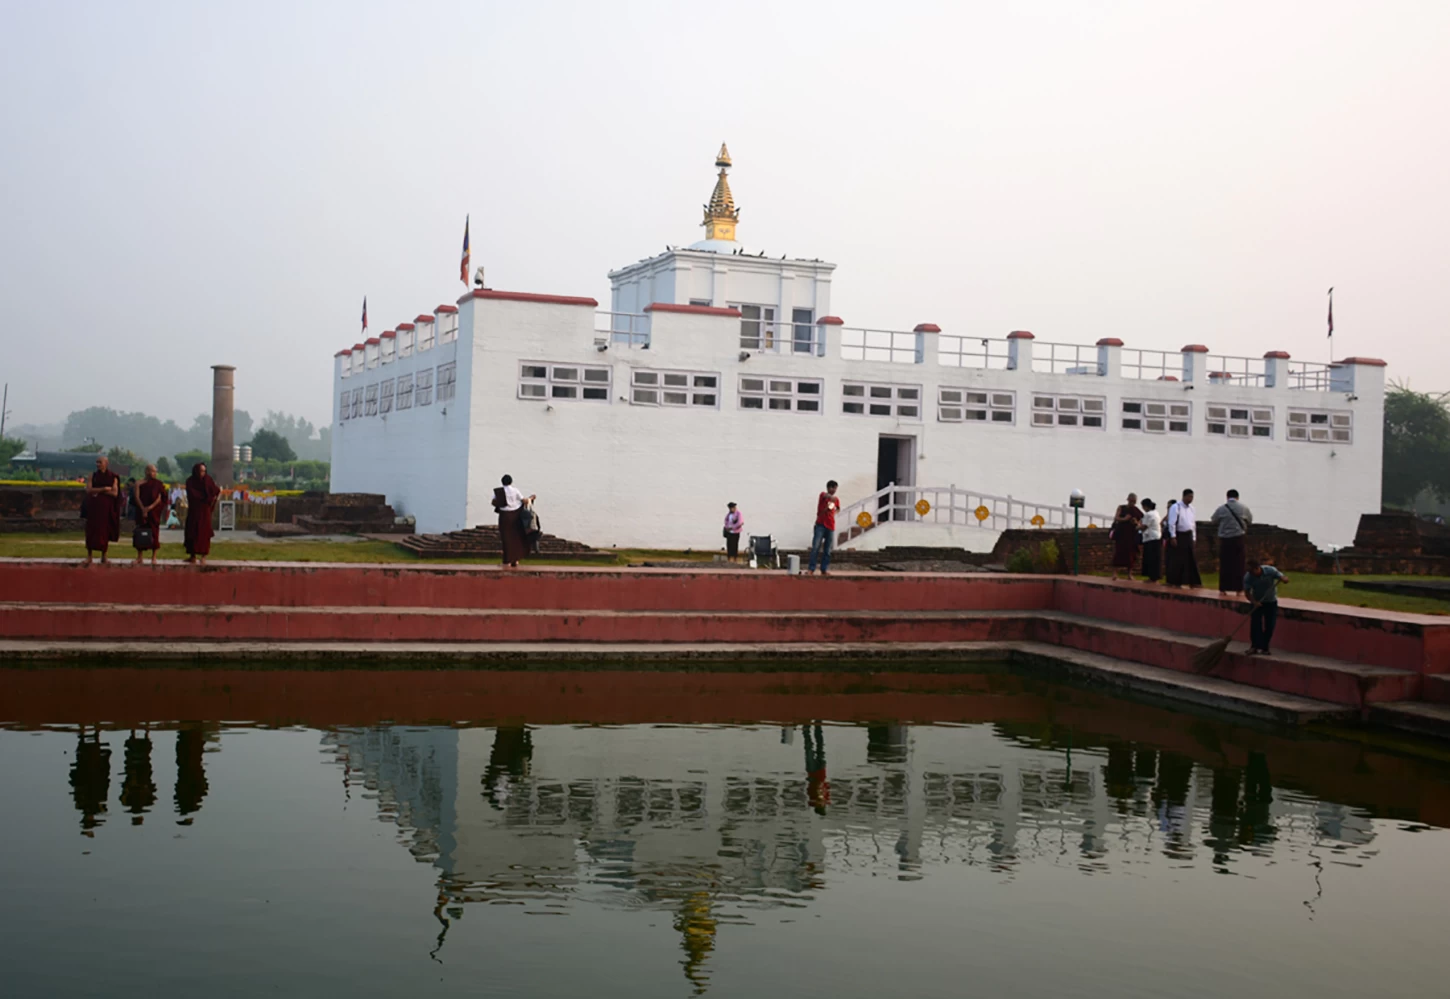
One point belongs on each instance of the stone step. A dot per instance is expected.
(1418, 717)
(1436, 688)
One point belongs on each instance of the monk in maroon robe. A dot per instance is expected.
(201, 496)
(102, 510)
(151, 503)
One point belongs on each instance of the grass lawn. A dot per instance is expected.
(1331, 589)
(295, 550)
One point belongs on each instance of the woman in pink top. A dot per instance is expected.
(734, 524)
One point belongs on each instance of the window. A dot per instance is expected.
(447, 377)
(405, 392)
(1321, 426)
(803, 332)
(371, 400)
(800, 394)
(1157, 417)
(447, 328)
(385, 397)
(1085, 411)
(425, 337)
(674, 388)
(539, 380)
(757, 327)
(868, 399)
(959, 405)
(344, 406)
(423, 388)
(1241, 422)
(700, 302)
(357, 394)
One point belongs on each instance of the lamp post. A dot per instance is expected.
(1075, 500)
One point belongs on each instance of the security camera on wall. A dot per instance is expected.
(478, 278)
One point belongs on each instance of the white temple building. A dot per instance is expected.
(722, 375)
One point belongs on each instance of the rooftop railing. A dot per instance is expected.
(1225, 369)
(891, 346)
(1066, 359)
(624, 329)
(973, 352)
(950, 505)
(1310, 376)
(1151, 365)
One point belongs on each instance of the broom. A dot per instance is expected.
(1208, 657)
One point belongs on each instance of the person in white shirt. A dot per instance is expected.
(1181, 529)
(508, 501)
(1152, 541)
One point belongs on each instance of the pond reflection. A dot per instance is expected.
(714, 827)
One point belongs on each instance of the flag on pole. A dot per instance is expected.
(463, 266)
(1331, 311)
(365, 313)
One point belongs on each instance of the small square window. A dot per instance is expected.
(910, 411)
(998, 416)
(853, 390)
(601, 394)
(780, 388)
(752, 385)
(706, 381)
(674, 380)
(779, 403)
(808, 388)
(564, 392)
(1132, 407)
(704, 399)
(1238, 414)
(808, 405)
(1130, 423)
(643, 397)
(751, 402)
(1042, 419)
(879, 409)
(534, 371)
(853, 407)
(949, 413)
(566, 374)
(950, 395)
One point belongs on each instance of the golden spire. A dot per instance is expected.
(721, 213)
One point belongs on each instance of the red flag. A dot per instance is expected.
(463, 265)
(365, 313)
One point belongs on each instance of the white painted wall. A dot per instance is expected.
(615, 474)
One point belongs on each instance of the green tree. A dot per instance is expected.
(1417, 445)
(186, 459)
(85, 449)
(272, 446)
(9, 448)
(163, 465)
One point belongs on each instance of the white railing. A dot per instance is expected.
(892, 346)
(1224, 369)
(1065, 359)
(772, 336)
(973, 352)
(1151, 365)
(954, 506)
(627, 329)
(1310, 376)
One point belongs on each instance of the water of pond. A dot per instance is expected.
(677, 834)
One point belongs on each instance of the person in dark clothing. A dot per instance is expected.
(1261, 589)
(824, 535)
(90, 780)
(1126, 522)
(138, 789)
(1231, 522)
(1152, 541)
(1180, 527)
(508, 501)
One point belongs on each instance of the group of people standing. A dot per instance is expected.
(1168, 546)
(823, 534)
(149, 502)
(1167, 541)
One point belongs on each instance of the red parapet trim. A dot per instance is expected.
(1195, 348)
(1369, 362)
(1168, 378)
(357, 346)
(694, 310)
(425, 319)
(404, 326)
(373, 341)
(342, 353)
(390, 334)
(1282, 355)
(1225, 375)
(524, 296)
(1110, 341)
(927, 328)
(830, 321)
(1020, 335)
(446, 308)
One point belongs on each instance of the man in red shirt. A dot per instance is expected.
(825, 534)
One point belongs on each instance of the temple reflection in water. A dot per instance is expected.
(712, 823)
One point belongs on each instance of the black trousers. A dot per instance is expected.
(732, 543)
(1261, 624)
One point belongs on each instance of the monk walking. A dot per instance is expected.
(103, 510)
(151, 503)
(201, 497)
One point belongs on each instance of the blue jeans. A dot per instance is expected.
(1261, 624)
(821, 541)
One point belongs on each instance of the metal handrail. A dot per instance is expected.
(1150, 365)
(1309, 376)
(952, 506)
(890, 346)
(629, 329)
(973, 352)
(1066, 359)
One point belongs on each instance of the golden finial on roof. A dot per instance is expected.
(721, 215)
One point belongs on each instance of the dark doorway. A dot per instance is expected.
(895, 464)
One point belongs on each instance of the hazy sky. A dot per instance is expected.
(189, 184)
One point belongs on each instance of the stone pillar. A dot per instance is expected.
(1019, 351)
(221, 423)
(1195, 364)
(1110, 357)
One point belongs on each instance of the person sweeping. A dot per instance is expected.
(1261, 590)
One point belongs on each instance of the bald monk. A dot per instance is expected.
(151, 503)
(201, 497)
(103, 510)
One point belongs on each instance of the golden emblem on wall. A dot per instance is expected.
(863, 520)
(982, 513)
(923, 507)
(1038, 520)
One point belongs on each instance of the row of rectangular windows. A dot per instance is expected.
(651, 387)
(403, 392)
